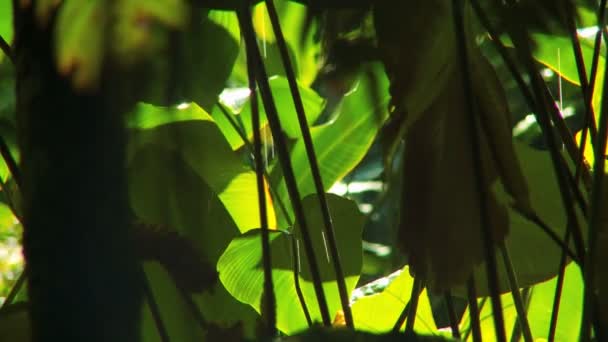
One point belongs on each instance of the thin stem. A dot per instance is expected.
(154, 310)
(452, 315)
(10, 162)
(558, 293)
(542, 116)
(526, 294)
(486, 232)
(296, 279)
(10, 298)
(269, 308)
(574, 153)
(550, 233)
(517, 300)
(411, 315)
(595, 219)
(284, 159)
(194, 309)
(6, 48)
(586, 85)
(314, 164)
(240, 131)
(473, 311)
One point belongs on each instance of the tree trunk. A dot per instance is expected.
(84, 281)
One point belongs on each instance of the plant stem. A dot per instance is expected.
(154, 310)
(595, 220)
(10, 298)
(526, 294)
(10, 162)
(473, 311)
(296, 279)
(283, 154)
(486, 232)
(558, 293)
(269, 308)
(573, 151)
(452, 315)
(411, 315)
(542, 116)
(240, 131)
(517, 300)
(314, 164)
(6, 48)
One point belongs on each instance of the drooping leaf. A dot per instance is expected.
(378, 312)
(241, 269)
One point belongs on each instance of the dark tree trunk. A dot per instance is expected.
(84, 281)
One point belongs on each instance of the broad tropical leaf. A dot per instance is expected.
(241, 269)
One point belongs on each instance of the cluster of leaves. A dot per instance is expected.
(191, 161)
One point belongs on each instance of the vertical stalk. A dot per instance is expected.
(558, 293)
(473, 310)
(268, 304)
(314, 164)
(542, 115)
(517, 299)
(595, 219)
(486, 232)
(155, 310)
(452, 315)
(414, 297)
(284, 159)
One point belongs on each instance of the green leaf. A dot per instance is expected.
(342, 143)
(201, 144)
(378, 312)
(313, 106)
(165, 189)
(241, 269)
